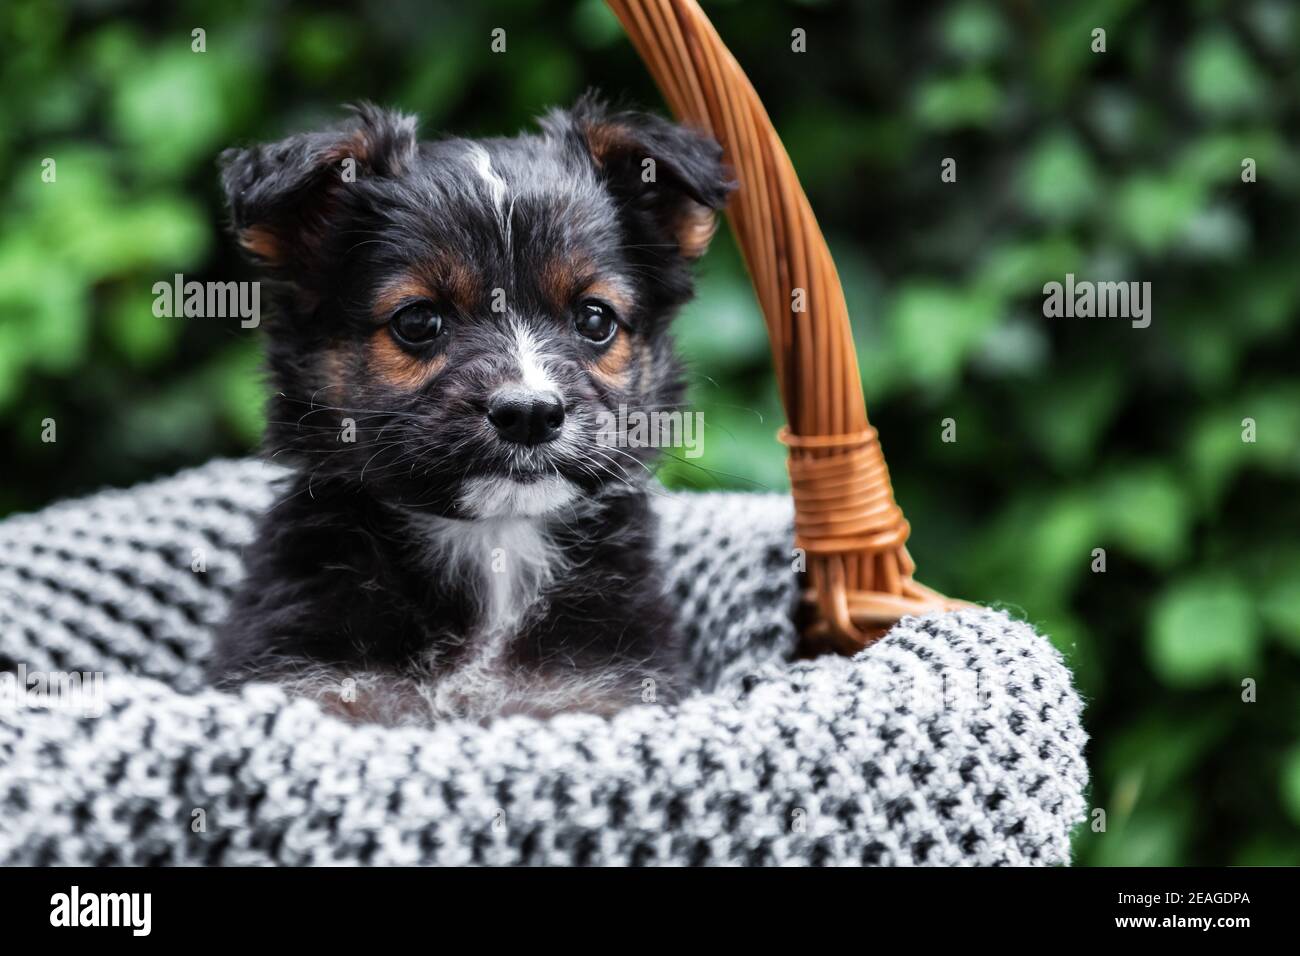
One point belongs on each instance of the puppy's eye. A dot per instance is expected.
(595, 320)
(417, 324)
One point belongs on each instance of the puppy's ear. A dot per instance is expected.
(288, 199)
(671, 172)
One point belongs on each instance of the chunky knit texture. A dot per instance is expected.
(955, 739)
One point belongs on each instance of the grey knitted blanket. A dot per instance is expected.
(955, 739)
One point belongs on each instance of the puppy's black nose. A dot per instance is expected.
(526, 417)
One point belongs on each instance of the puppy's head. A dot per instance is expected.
(456, 322)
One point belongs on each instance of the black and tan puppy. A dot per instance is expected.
(451, 320)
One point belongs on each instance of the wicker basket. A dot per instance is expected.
(847, 523)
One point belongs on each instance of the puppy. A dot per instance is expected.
(452, 321)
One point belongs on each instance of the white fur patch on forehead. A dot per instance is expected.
(496, 186)
(503, 497)
(531, 359)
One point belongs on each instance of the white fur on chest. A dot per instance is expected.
(503, 563)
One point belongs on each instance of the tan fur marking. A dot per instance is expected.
(449, 277)
(561, 279)
(461, 283)
(397, 367)
(695, 229)
(604, 139)
(261, 242)
(333, 366)
(647, 362)
(397, 293)
(612, 367)
(614, 291)
(357, 147)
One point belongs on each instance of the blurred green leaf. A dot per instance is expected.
(236, 379)
(1068, 415)
(1291, 783)
(1220, 77)
(154, 109)
(48, 312)
(1038, 548)
(595, 24)
(973, 30)
(1279, 603)
(935, 327)
(738, 447)
(1216, 451)
(1154, 212)
(1215, 159)
(1059, 181)
(1259, 430)
(140, 335)
(1155, 754)
(1153, 837)
(544, 76)
(1016, 269)
(321, 44)
(1146, 510)
(11, 362)
(970, 99)
(1013, 348)
(723, 327)
(1063, 51)
(1202, 629)
(1217, 231)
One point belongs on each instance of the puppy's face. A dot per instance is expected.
(457, 321)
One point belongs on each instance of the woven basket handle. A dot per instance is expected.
(851, 530)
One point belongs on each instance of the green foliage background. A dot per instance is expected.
(1072, 434)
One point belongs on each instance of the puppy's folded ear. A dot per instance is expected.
(288, 199)
(672, 173)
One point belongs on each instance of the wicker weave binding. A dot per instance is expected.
(854, 534)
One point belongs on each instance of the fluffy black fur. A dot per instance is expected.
(363, 587)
